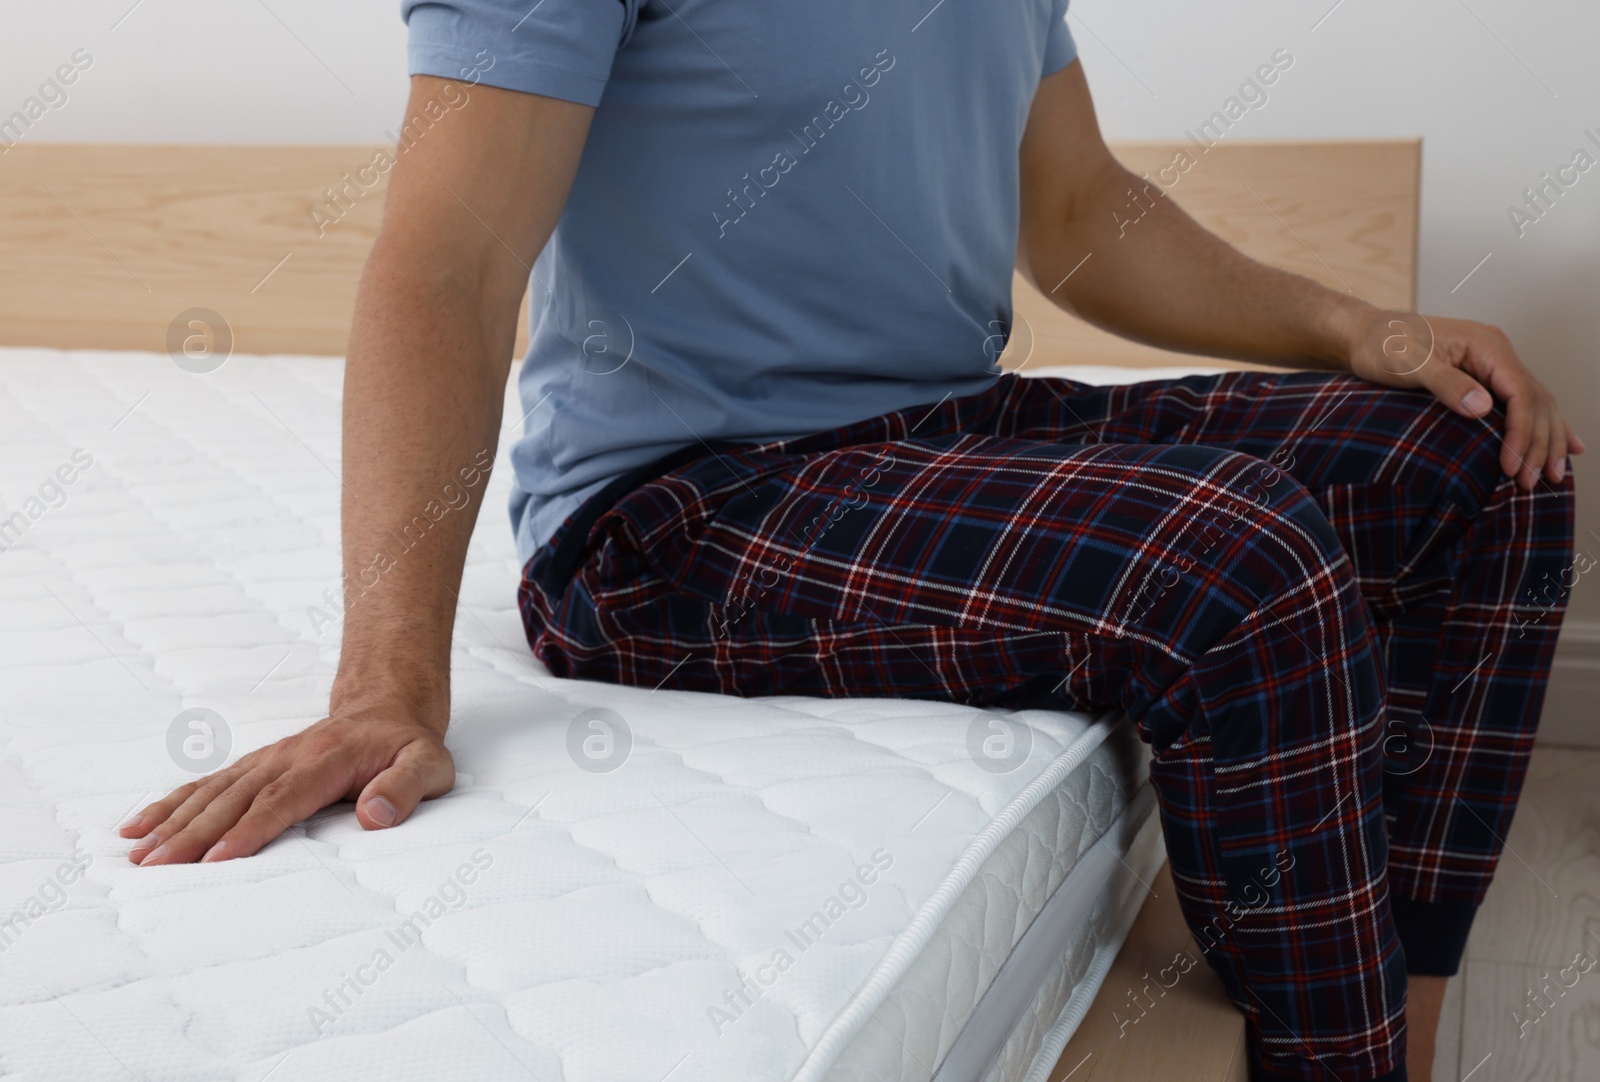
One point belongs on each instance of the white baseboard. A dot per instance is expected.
(1572, 705)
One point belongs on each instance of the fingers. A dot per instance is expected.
(1487, 354)
(153, 815)
(217, 810)
(419, 770)
(1466, 396)
(174, 819)
(1555, 467)
(1537, 439)
(1533, 461)
(167, 816)
(204, 816)
(1459, 391)
(279, 804)
(237, 811)
(1519, 431)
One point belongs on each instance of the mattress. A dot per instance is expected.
(623, 885)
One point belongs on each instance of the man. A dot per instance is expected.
(767, 451)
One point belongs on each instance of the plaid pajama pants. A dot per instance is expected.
(1319, 600)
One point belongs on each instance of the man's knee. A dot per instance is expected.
(1439, 450)
(1279, 518)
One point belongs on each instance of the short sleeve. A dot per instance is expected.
(1059, 48)
(557, 48)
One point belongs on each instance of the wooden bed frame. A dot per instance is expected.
(102, 246)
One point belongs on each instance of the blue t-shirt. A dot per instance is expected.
(788, 216)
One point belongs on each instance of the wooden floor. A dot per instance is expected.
(1161, 1012)
(1542, 912)
(1519, 1011)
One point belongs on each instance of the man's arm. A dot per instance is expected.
(469, 206)
(1172, 284)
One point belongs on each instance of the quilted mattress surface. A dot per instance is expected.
(624, 884)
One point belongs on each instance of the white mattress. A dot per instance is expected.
(579, 925)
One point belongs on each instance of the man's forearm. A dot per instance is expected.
(465, 215)
(1162, 279)
(423, 394)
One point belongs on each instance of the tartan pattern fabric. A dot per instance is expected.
(1318, 599)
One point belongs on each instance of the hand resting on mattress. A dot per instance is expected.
(468, 209)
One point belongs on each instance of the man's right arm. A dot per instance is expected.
(470, 204)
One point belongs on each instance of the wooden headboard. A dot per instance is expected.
(102, 245)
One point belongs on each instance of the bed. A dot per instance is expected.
(625, 884)
(766, 889)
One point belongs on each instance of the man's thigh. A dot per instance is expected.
(1400, 476)
(1324, 429)
(972, 568)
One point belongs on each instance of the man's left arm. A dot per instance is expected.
(1168, 282)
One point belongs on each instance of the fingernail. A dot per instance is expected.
(380, 811)
(156, 854)
(144, 843)
(135, 823)
(1561, 469)
(1477, 400)
(215, 852)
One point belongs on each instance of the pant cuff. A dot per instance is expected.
(1432, 934)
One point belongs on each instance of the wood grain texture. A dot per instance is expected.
(1191, 1032)
(1543, 909)
(1545, 900)
(102, 245)
(1344, 214)
(1511, 1034)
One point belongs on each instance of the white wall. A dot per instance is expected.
(240, 71)
(1500, 90)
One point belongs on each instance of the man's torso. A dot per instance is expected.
(787, 218)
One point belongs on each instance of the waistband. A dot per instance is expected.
(571, 539)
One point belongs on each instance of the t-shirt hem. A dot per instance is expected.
(1051, 66)
(540, 518)
(1060, 50)
(542, 79)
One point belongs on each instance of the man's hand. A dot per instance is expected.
(1468, 366)
(386, 766)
